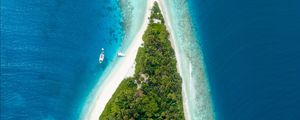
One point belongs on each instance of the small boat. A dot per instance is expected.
(121, 54)
(101, 58)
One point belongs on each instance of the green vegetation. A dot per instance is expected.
(154, 92)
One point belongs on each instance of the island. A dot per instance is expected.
(155, 89)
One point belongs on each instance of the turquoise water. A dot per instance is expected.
(195, 82)
(50, 50)
(49, 55)
(133, 13)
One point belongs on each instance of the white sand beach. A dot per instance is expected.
(190, 64)
(177, 54)
(125, 68)
(121, 70)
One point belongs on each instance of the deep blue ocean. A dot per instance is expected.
(49, 55)
(50, 50)
(251, 50)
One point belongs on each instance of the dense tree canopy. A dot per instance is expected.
(154, 92)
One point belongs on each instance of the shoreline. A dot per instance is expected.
(174, 45)
(123, 68)
(194, 77)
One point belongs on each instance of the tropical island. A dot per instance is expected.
(154, 91)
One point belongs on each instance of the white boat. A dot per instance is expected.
(121, 54)
(101, 58)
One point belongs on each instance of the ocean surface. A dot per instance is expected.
(49, 55)
(243, 56)
(133, 15)
(251, 50)
(196, 91)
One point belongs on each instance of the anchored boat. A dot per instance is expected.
(101, 57)
(121, 54)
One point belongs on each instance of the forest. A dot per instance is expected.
(154, 92)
